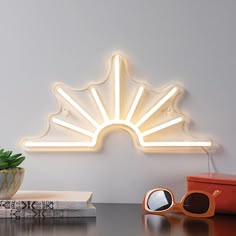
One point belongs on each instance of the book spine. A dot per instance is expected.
(42, 205)
(31, 213)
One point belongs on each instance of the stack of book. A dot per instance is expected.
(40, 204)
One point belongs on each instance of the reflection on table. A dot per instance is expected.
(178, 224)
(47, 226)
(119, 220)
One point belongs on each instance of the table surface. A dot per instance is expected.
(122, 219)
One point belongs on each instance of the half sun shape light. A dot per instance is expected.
(119, 102)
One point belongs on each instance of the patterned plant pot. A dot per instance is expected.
(10, 181)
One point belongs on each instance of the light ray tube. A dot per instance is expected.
(177, 144)
(157, 106)
(162, 126)
(72, 127)
(99, 104)
(117, 87)
(135, 103)
(77, 107)
(31, 144)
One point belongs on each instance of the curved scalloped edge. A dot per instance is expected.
(145, 138)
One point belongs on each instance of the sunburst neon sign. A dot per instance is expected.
(86, 115)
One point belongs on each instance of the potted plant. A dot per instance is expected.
(11, 176)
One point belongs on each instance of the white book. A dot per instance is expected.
(90, 211)
(47, 200)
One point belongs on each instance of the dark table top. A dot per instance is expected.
(122, 219)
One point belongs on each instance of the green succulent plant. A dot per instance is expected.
(9, 160)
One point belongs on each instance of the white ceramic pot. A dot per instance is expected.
(10, 181)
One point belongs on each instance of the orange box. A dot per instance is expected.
(209, 182)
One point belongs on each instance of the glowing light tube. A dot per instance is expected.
(32, 144)
(77, 107)
(177, 144)
(162, 126)
(157, 106)
(71, 127)
(99, 104)
(117, 86)
(135, 103)
(90, 133)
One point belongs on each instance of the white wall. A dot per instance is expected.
(47, 41)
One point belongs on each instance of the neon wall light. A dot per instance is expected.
(119, 102)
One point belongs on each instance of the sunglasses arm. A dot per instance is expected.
(216, 193)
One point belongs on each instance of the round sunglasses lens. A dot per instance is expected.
(197, 203)
(159, 200)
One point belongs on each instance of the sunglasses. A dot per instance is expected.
(194, 203)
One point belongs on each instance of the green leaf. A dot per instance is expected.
(7, 160)
(3, 156)
(3, 165)
(17, 162)
(13, 157)
(11, 161)
(7, 153)
(1, 153)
